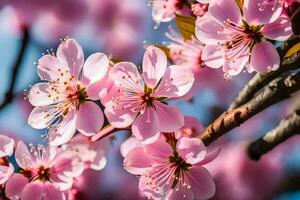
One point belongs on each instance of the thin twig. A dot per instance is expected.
(286, 129)
(9, 94)
(279, 89)
(260, 80)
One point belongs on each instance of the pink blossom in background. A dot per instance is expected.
(172, 169)
(199, 9)
(234, 43)
(6, 149)
(237, 177)
(166, 10)
(93, 154)
(45, 173)
(192, 127)
(112, 18)
(188, 54)
(62, 101)
(138, 99)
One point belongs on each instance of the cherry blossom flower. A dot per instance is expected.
(63, 102)
(172, 169)
(235, 41)
(140, 99)
(46, 173)
(6, 149)
(92, 153)
(166, 10)
(199, 9)
(188, 54)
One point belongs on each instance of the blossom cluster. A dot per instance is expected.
(79, 101)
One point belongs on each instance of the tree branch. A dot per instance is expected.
(260, 80)
(286, 129)
(277, 90)
(9, 94)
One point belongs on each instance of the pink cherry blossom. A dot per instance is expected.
(93, 154)
(166, 10)
(192, 127)
(45, 173)
(188, 54)
(63, 101)
(6, 149)
(140, 99)
(199, 9)
(172, 169)
(235, 41)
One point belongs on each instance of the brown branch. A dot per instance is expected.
(277, 90)
(260, 80)
(9, 94)
(286, 129)
(295, 21)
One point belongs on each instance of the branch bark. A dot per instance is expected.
(286, 129)
(277, 90)
(260, 80)
(9, 94)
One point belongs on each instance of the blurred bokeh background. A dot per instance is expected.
(121, 28)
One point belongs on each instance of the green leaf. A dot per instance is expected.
(186, 26)
(292, 50)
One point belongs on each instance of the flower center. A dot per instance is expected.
(181, 166)
(79, 96)
(43, 173)
(147, 97)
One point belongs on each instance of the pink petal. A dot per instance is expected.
(209, 157)
(93, 90)
(41, 95)
(62, 182)
(137, 161)
(212, 56)
(95, 68)
(6, 146)
(64, 131)
(154, 65)
(279, 30)
(128, 145)
(15, 185)
(39, 117)
(264, 57)
(89, 119)
(118, 117)
(23, 157)
(176, 82)
(181, 194)
(70, 55)
(52, 193)
(145, 127)
(159, 150)
(236, 66)
(223, 10)
(192, 127)
(126, 75)
(149, 191)
(5, 173)
(170, 118)
(208, 30)
(48, 68)
(100, 147)
(256, 16)
(202, 184)
(192, 150)
(68, 163)
(33, 191)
